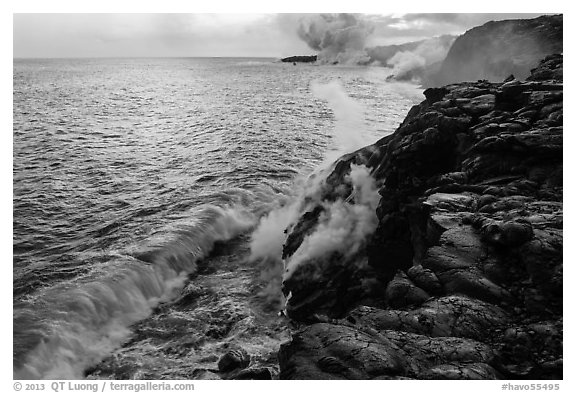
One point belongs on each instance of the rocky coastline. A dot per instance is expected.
(462, 278)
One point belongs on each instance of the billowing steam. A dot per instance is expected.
(349, 116)
(413, 64)
(339, 39)
(343, 38)
(343, 226)
(404, 62)
(269, 237)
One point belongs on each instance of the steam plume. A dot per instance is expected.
(338, 38)
(348, 113)
(343, 227)
(412, 63)
(343, 38)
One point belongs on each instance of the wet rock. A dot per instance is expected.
(505, 234)
(425, 279)
(401, 292)
(203, 374)
(326, 351)
(466, 371)
(455, 316)
(259, 373)
(539, 344)
(435, 94)
(390, 247)
(472, 282)
(332, 351)
(550, 68)
(491, 204)
(305, 225)
(543, 260)
(479, 105)
(486, 200)
(325, 287)
(234, 359)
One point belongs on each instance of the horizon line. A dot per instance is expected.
(143, 57)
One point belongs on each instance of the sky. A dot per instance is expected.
(210, 35)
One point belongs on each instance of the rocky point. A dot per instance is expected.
(462, 278)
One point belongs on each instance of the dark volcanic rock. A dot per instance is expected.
(425, 279)
(299, 59)
(401, 292)
(261, 373)
(550, 68)
(495, 50)
(456, 316)
(234, 359)
(332, 351)
(470, 212)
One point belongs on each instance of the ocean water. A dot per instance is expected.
(137, 185)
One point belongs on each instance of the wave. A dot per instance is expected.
(72, 326)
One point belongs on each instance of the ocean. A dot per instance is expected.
(138, 185)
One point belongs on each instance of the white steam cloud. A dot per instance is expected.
(343, 38)
(410, 64)
(404, 62)
(269, 237)
(349, 117)
(339, 39)
(343, 227)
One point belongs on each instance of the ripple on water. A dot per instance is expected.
(109, 155)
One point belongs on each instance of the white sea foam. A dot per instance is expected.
(91, 316)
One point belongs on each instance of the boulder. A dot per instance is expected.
(425, 279)
(234, 359)
(257, 373)
(401, 292)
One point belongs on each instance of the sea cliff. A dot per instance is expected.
(462, 276)
(500, 48)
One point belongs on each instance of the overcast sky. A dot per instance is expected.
(184, 35)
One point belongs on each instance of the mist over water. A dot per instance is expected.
(133, 177)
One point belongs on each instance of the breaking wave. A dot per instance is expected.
(74, 325)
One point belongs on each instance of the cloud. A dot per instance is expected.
(341, 37)
(395, 29)
(125, 35)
